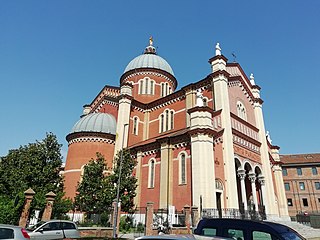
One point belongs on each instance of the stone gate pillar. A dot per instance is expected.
(26, 208)
(195, 216)
(149, 221)
(49, 205)
(186, 210)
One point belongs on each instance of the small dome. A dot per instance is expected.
(96, 122)
(149, 59)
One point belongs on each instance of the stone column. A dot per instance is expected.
(242, 175)
(149, 219)
(263, 187)
(49, 205)
(252, 178)
(186, 210)
(26, 208)
(195, 216)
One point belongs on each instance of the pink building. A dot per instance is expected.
(204, 144)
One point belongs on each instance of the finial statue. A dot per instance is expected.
(151, 41)
(268, 137)
(218, 49)
(252, 79)
(199, 98)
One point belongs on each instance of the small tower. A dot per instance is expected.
(221, 93)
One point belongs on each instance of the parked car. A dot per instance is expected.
(54, 229)
(246, 229)
(13, 232)
(179, 237)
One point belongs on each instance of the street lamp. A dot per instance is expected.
(115, 219)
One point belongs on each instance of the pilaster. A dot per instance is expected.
(139, 179)
(146, 124)
(269, 202)
(282, 200)
(190, 102)
(165, 198)
(221, 98)
(123, 118)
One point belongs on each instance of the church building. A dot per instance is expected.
(203, 145)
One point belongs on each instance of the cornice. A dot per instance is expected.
(72, 136)
(142, 70)
(204, 83)
(256, 87)
(242, 72)
(203, 131)
(244, 122)
(218, 73)
(258, 100)
(167, 100)
(245, 137)
(201, 109)
(217, 58)
(245, 86)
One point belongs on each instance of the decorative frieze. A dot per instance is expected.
(91, 139)
(148, 73)
(247, 93)
(246, 153)
(105, 102)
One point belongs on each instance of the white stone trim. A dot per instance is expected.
(151, 181)
(146, 73)
(91, 139)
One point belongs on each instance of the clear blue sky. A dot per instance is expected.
(55, 56)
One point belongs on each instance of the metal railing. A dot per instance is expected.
(235, 213)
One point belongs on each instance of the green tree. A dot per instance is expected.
(37, 166)
(128, 182)
(97, 190)
(94, 192)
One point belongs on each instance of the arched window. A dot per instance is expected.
(147, 86)
(135, 125)
(241, 110)
(183, 168)
(161, 123)
(140, 86)
(152, 87)
(167, 120)
(162, 89)
(166, 89)
(151, 173)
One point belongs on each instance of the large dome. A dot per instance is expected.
(149, 59)
(96, 122)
